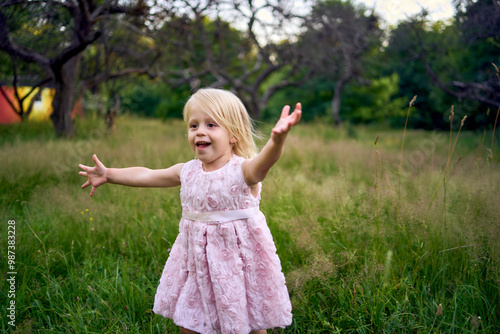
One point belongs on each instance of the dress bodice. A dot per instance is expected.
(220, 190)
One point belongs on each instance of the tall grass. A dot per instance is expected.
(353, 264)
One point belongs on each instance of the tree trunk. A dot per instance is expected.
(110, 114)
(250, 101)
(253, 109)
(336, 102)
(65, 79)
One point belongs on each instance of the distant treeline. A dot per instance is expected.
(334, 56)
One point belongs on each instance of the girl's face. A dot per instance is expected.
(210, 142)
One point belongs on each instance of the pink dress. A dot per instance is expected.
(222, 276)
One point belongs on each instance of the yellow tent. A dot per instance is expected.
(42, 107)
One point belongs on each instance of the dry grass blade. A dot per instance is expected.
(439, 310)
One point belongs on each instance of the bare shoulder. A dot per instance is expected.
(177, 169)
(169, 177)
(244, 165)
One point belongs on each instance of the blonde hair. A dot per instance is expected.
(229, 112)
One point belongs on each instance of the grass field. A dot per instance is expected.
(368, 243)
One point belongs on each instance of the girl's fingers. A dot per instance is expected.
(83, 174)
(97, 161)
(298, 111)
(285, 111)
(86, 184)
(288, 120)
(92, 191)
(298, 115)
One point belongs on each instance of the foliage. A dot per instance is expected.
(375, 102)
(370, 103)
(154, 99)
(402, 57)
(315, 95)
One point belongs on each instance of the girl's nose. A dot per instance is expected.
(200, 131)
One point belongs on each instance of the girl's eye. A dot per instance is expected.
(211, 125)
(193, 126)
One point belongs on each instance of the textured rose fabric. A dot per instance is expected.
(225, 277)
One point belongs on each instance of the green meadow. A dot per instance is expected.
(373, 238)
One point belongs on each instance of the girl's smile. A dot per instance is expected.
(210, 142)
(202, 145)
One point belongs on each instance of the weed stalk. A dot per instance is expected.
(445, 172)
(377, 189)
(402, 149)
(452, 114)
(498, 111)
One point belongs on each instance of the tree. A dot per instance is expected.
(479, 24)
(230, 45)
(482, 85)
(455, 57)
(402, 57)
(479, 19)
(65, 29)
(336, 36)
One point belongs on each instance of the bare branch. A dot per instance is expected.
(99, 10)
(133, 28)
(185, 77)
(72, 51)
(286, 82)
(7, 3)
(19, 51)
(95, 81)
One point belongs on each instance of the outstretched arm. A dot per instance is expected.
(132, 176)
(256, 169)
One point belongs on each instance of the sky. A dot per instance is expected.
(391, 11)
(394, 10)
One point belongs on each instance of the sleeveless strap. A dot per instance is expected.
(216, 217)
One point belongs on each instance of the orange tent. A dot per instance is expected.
(7, 114)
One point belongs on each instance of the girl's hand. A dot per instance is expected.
(286, 122)
(96, 175)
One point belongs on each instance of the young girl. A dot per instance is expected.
(223, 274)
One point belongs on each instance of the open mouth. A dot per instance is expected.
(203, 144)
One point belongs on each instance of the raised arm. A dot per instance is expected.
(132, 176)
(256, 169)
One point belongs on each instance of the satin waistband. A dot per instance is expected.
(216, 217)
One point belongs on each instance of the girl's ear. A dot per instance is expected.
(233, 140)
